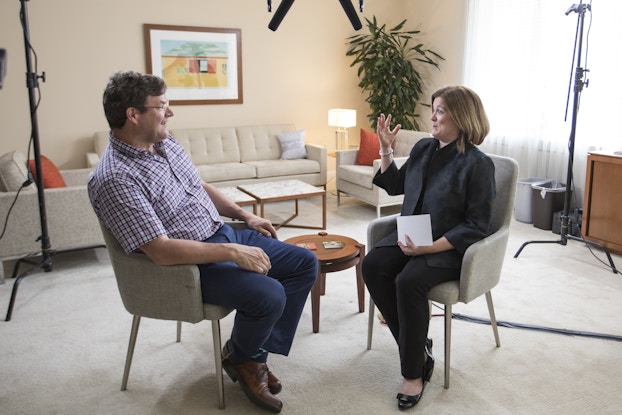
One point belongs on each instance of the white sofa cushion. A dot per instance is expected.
(100, 140)
(209, 145)
(355, 173)
(284, 168)
(225, 171)
(259, 142)
(405, 141)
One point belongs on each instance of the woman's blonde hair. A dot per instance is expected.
(467, 111)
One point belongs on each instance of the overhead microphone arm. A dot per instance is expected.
(285, 5)
(351, 13)
(280, 13)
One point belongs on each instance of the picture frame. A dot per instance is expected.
(200, 65)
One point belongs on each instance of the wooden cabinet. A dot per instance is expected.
(602, 206)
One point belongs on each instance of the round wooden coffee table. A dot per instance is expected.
(334, 253)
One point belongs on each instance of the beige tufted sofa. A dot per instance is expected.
(229, 156)
(356, 180)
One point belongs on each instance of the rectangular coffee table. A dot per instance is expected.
(285, 190)
(240, 198)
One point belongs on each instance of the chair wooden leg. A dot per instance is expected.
(178, 331)
(130, 351)
(493, 319)
(370, 324)
(218, 363)
(447, 343)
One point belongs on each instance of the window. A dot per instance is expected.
(519, 59)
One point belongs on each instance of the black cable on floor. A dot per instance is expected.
(538, 328)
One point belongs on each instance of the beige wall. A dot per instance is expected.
(442, 25)
(292, 75)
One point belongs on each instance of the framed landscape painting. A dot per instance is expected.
(200, 65)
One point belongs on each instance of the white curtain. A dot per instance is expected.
(519, 59)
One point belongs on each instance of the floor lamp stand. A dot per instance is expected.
(341, 138)
(578, 87)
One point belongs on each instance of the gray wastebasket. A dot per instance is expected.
(522, 201)
(546, 199)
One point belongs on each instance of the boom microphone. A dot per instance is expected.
(280, 13)
(351, 13)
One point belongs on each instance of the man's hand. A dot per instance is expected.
(261, 225)
(252, 258)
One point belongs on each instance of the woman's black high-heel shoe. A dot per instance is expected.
(408, 401)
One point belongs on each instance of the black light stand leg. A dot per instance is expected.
(578, 87)
(32, 82)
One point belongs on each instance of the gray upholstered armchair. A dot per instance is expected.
(356, 180)
(482, 262)
(165, 293)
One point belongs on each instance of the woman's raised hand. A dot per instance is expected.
(385, 134)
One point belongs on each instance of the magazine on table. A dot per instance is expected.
(308, 245)
(332, 244)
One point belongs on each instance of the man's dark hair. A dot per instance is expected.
(129, 89)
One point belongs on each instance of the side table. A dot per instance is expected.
(349, 253)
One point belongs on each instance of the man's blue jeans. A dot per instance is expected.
(268, 306)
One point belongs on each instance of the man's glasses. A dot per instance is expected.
(162, 108)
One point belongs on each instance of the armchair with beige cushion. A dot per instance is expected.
(482, 261)
(71, 222)
(166, 293)
(356, 180)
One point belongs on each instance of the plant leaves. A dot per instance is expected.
(389, 71)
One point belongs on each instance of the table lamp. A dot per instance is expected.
(342, 119)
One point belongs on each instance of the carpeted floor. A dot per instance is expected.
(63, 351)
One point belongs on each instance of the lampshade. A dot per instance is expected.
(342, 118)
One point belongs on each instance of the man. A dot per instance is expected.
(148, 193)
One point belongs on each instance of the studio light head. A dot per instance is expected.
(283, 8)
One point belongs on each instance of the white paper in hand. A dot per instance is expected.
(417, 227)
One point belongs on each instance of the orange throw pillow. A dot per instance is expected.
(368, 149)
(51, 175)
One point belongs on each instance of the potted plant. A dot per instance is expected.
(387, 67)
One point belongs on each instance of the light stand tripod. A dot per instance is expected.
(32, 83)
(578, 87)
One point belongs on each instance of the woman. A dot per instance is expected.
(445, 176)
